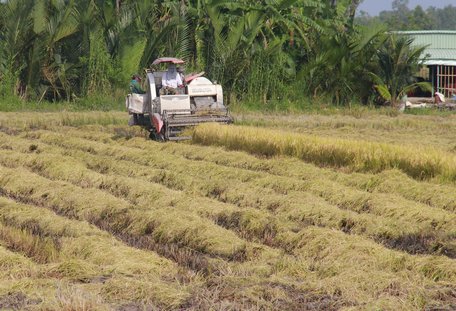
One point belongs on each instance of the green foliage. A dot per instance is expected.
(340, 65)
(404, 18)
(260, 51)
(398, 61)
(100, 66)
(130, 59)
(382, 89)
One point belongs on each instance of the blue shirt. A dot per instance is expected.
(136, 88)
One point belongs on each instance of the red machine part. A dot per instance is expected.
(157, 122)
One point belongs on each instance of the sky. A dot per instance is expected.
(373, 7)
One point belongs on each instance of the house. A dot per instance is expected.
(439, 58)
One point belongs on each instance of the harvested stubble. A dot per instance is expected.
(436, 195)
(393, 181)
(244, 272)
(420, 163)
(30, 121)
(141, 169)
(437, 124)
(118, 287)
(41, 249)
(25, 286)
(396, 222)
(140, 192)
(16, 266)
(285, 267)
(247, 220)
(390, 181)
(352, 258)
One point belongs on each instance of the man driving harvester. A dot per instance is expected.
(171, 81)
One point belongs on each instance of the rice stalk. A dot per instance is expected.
(419, 163)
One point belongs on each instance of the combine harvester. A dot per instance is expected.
(166, 116)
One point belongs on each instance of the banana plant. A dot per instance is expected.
(17, 38)
(54, 21)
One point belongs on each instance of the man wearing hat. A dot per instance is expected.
(171, 81)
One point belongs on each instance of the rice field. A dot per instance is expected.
(252, 216)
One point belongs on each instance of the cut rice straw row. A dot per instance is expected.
(83, 253)
(405, 222)
(389, 181)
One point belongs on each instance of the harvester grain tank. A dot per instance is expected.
(198, 101)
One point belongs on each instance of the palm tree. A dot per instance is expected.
(339, 67)
(398, 61)
(34, 33)
(55, 21)
(57, 48)
(235, 40)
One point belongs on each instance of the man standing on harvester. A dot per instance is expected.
(135, 85)
(171, 81)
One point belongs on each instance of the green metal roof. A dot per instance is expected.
(441, 45)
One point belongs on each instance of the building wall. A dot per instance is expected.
(439, 56)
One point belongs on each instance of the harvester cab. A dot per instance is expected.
(165, 112)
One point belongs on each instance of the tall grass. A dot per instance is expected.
(93, 102)
(420, 163)
(20, 121)
(432, 131)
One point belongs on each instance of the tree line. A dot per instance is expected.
(265, 50)
(402, 17)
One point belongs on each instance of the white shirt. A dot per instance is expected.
(171, 79)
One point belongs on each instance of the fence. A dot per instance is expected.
(444, 80)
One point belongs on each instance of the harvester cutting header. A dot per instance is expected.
(171, 101)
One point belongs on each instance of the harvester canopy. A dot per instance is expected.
(169, 60)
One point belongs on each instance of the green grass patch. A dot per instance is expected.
(98, 102)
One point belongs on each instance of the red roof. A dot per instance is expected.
(168, 60)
